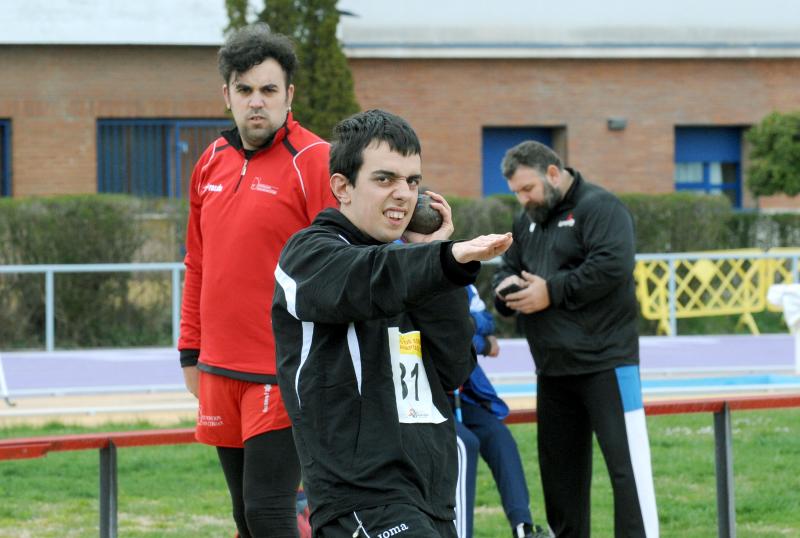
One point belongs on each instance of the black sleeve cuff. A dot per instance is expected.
(458, 273)
(189, 357)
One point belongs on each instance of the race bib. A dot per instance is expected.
(412, 391)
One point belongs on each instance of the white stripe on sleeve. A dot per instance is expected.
(308, 335)
(355, 353)
(289, 290)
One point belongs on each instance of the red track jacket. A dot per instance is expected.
(242, 211)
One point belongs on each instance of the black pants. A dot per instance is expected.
(569, 409)
(401, 520)
(262, 479)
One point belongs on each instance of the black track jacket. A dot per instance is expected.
(585, 251)
(345, 315)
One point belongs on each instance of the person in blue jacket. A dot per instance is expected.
(480, 429)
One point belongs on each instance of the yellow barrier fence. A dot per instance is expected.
(718, 283)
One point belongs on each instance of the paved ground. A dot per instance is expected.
(38, 372)
(91, 386)
(163, 409)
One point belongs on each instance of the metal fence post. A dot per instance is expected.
(176, 305)
(673, 320)
(49, 310)
(108, 491)
(4, 386)
(726, 509)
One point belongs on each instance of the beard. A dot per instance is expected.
(540, 212)
(258, 137)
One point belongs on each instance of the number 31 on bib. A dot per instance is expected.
(412, 391)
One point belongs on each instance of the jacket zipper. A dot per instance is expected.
(244, 170)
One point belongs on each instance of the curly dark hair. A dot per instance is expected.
(251, 45)
(353, 135)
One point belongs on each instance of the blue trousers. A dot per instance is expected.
(482, 433)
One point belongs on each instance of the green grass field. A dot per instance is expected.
(178, 491)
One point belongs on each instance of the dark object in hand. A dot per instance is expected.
(509, 289)
(425, 219)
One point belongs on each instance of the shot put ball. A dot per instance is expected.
(425, 219)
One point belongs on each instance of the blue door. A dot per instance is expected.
(498, 140)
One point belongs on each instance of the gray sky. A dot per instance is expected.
(401, 25)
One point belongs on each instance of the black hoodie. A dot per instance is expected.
(362, 329)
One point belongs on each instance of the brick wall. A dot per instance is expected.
(449, 101)
(54, 95)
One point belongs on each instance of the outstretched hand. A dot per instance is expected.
(481, 248)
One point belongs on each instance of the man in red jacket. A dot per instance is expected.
(251, 190)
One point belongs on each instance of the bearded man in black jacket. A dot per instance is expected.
(370, 334)
(573, 258)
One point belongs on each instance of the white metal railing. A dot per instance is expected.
(49, 272)
(175, 269)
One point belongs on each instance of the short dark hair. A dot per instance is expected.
(531, 154)
(354, 134)
(252, 44)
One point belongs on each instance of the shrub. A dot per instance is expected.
(125, 309)
(473, 217)
(775, 155)
(91, 309)
(678, 222)
(763, 230)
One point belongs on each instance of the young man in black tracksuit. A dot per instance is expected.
(370, 334)
(573, 256)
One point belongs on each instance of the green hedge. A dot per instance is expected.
(764, 231)
(673, 222)
(91, 309)
(124, 309)
(678, 222)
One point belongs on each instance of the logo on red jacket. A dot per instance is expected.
(257, 185)
(211, 187)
